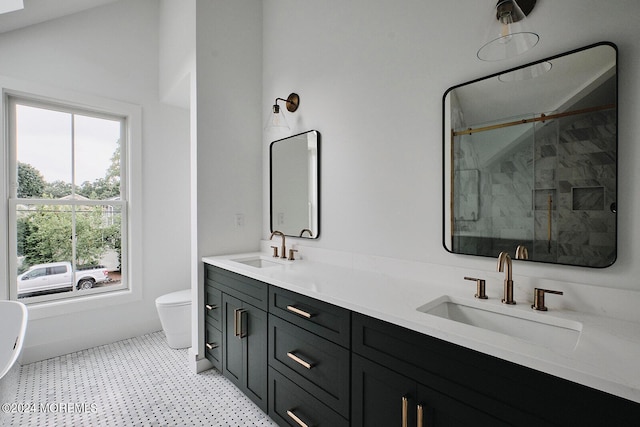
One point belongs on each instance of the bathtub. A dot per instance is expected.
(13, 325)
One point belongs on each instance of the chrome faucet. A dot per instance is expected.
(283, 248)
(522, 252)
(503, 259)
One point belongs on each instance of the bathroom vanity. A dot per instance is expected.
(318, 344)
(236, 338)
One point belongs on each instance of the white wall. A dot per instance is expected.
(229, 164)
(226, 153)
(112, 52)
(177, 34)
(371, 75)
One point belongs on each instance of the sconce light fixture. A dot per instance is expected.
(277, 120)
(508, 34)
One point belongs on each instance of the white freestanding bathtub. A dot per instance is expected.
(13, 325)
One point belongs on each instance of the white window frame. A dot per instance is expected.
(130, 188)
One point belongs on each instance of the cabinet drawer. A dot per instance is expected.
(249, 290)
(213, 307)
(317, 365)
(213, 346)
(289, 405)
(321, 318)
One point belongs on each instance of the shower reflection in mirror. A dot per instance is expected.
(533, 162)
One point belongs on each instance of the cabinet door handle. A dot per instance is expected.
(405, 411)
(299, 312)
(296, 419)
(211, 346)
(299, 360)
(420, 415)
(238, 329)
(211, 307)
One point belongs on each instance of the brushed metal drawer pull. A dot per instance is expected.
(211, 307)
(405, 411)
(237, 323)
(211, 346)
(296, 419)
(420, 416)
(299, 312)
(299, 360)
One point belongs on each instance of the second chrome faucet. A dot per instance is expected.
(283, 251)
(505, 259)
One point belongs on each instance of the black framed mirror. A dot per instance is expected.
(294, 168)
(530, 160)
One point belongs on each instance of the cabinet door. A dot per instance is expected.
(244, 345)
(436, 409)
(255, 354)
(380, 396)
(231, 343)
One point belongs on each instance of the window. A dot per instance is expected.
(67, 201)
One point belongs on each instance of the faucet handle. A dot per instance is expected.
(538, 298)
(275, 251)
(480, 287)
(291, 256)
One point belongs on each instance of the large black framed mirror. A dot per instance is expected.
(530, 160)
(294, 165)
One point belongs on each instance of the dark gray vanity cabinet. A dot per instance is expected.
(388, 390)
(456, 385)
(382, 397)
(309, 361)
(243, 323)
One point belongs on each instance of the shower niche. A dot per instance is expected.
(530, 158)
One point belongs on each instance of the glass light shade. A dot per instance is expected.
(276, 120)
(526, 73)
(508, 34)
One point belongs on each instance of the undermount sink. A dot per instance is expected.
(534, 327)
(259, 261)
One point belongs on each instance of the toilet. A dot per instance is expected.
(174, 310)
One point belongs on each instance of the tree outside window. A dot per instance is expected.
(68, 204)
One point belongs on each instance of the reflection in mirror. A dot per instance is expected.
(530, 159)
(294, 170)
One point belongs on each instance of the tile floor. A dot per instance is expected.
(135, 382)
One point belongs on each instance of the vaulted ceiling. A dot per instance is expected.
(37, 11)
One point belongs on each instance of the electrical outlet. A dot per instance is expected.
(239, 220)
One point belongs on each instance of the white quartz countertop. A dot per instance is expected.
(605, 357)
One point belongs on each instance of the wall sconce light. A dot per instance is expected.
(508, 33)
(276, 119)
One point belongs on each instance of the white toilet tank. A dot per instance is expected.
(174, 310)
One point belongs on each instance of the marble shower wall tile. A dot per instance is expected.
(574, 160)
